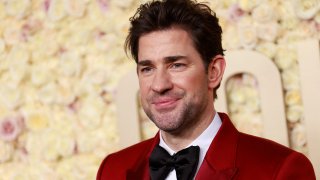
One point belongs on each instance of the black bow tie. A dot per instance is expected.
(184, 162)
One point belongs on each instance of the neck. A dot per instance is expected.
(180, 140)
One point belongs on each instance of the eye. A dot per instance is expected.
(146, 70)
(178, 66)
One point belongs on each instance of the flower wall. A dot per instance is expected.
(60, 61)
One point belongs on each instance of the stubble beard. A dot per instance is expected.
(175, 120)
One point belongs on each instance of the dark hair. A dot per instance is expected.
(195, 18)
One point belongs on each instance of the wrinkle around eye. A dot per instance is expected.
(146, 70)
(178, 66)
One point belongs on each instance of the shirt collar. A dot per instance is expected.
(203, 140)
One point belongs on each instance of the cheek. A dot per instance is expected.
(144, 88)
(190, 82)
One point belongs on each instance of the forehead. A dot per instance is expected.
(162, 43)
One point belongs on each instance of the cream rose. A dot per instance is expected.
(47, 93)
(306, 9)
(2, 46)
(56, 10)
(17, 8)
(148, 129)
(294, 113)
(285, 58)
(298, 136)
(75, 8)
(12, 34)
(248, 5)
(230, 38)
(6, 151)
(268, 31)
(267, 48)
(262, 13)
(293, 97)
(70, 64)
(248, 122)
(290, 79)
(91, 112)
(122, 4)
(40, 75)
(37, 120)
(247, 33)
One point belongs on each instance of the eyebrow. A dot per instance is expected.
(167, 60)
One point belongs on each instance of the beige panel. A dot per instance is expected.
(309, 63)
(127, 110)
(268, 77)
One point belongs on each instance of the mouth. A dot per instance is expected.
(165, 103)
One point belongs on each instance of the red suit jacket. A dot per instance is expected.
(231, 155)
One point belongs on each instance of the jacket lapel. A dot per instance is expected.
(219, 162)
(140, 169)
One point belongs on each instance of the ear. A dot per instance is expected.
(215, 71)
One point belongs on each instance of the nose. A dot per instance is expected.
(161, 82)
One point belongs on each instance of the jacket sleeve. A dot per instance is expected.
(296, 166)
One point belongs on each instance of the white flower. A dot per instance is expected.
(267, 48)
(237, 96)
(34, 145)
(47, 93)
(70, 64)
(17, 8)
(248, 5)
(290, 79)
(18, 55)
(285, 58)
(12, 34)
(66, 145)
(248, 122)
(148, 129)
(6, 151)
(78, 167)
(91, 112)
(306, 9)
(122, 4)
(293, 97)
(37, 120)
(267, 31)
(298, 136)
(247, 33)
(75, 8)
(2, 46)
(56, 10)
(41, 74)
(285, 10)
(294, 113)
(230, 38)
(289, 23)
(262, 13)
(10, 97)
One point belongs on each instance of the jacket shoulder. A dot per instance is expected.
(264, 156)
(116, 164)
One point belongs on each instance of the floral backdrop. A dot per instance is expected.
(60, 61)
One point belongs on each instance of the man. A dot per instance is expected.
(177, 47)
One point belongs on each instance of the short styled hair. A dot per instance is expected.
(196, 18)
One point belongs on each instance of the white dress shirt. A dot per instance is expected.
(203, 141)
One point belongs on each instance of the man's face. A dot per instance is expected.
(173, 81)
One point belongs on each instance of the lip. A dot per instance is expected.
(165, 103)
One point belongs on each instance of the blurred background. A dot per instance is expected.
(61, 61)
